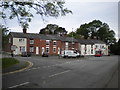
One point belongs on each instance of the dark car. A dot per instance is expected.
(45, 54)
(26, 54)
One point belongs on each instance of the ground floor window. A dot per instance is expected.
(47, 49)
(31, 49)
(54, 50)
(22, 48)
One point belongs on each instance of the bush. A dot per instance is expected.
(7, 62)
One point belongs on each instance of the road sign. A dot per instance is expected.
(13, 47)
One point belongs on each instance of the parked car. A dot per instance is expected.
(26, 54)
(69, 53)
(98, 54)
(45, 54)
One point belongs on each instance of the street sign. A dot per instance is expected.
(13, 47)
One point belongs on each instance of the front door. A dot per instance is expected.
(58, 50)
(37, 50)
(43, 50)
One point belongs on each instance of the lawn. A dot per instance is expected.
(7, 62)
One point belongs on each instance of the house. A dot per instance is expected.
(53, 44)
(39, 43)
(91, 46)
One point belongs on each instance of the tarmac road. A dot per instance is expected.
(52, 72)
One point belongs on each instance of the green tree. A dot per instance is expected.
(83, 30)
(24, 10)
(53, 29)
(97, 29)
(115, 48)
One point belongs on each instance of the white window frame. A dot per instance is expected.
(55, 43)
(47, 42)
(54, 49)
(48, 49)
(31, 41)
(31, 49)
(22, 48)
(21, 39)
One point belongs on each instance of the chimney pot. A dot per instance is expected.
(24, 30)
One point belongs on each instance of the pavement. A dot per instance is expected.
(22, 65)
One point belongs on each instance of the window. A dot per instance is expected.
(54, 50)
(47, 42)
(47, 49)
(66, 43)
(21, 40)
(31, 49)
(103, 47)
(54, 42)
(22, 48)
(31, 41)
(96, 46)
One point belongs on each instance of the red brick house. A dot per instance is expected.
(39, 43)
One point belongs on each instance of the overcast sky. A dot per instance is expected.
(83, 12)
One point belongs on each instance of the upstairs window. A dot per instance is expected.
(47, 42)
(31, 41)
(21, 40)
(54, 42)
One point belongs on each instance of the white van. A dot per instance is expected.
(69, 53)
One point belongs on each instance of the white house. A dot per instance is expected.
(91, 46)
(21, 45)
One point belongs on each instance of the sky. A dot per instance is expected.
(83, 12)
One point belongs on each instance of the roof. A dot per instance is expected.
(55, 37)
(90, 41)
(41, 36)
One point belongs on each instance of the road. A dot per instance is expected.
(54, 72)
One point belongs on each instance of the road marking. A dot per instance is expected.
(30, 65)
(19, 85)
(59, 73)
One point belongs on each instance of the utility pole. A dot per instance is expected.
(72, 38)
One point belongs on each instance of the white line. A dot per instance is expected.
(59, 73)
(19, 85)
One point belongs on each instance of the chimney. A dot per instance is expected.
(24, 30)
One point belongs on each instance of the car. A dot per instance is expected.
(98, 55)
(45, 54)
(26, 54)
(69, 53)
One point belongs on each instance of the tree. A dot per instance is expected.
(115, 48)
(97, 29)
(83, 30)
(53, 29)
(23, 10)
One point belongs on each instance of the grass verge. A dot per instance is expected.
(7, 62)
